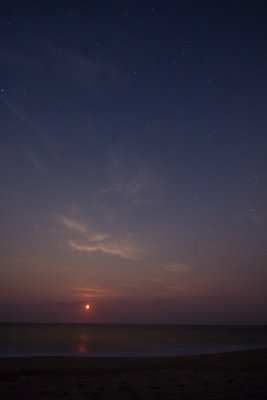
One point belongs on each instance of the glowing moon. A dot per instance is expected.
(87, 307)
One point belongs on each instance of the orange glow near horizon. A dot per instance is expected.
(87, 307)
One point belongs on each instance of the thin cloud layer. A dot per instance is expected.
(89, 241)
(119, 249)
(94, 292)
(172, 277)
(71, 224)
(176, 267)
(132, 179)
(33, 158)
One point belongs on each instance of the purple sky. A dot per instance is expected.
(133, 162)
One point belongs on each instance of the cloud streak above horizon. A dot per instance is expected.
(90, 241)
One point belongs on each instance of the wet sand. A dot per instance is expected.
(237, 375)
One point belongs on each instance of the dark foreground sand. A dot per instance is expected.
(238, 375)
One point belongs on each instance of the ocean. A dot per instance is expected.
(126, 340)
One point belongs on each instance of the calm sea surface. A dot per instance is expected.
(126, 340)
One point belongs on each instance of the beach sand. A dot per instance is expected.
(237, 375)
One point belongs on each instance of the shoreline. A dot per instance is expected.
(68, 363)
(222, 376)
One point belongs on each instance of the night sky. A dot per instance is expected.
(133, 161)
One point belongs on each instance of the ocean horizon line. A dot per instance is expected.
(130, 324)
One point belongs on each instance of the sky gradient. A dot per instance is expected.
(133, 162)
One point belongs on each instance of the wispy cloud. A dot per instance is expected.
(172, 276)
(32, 122)
(88, 240)
(118, 249)
(72, 224)
(133, 180)
(79, 69)
(94, 292)
(176, 267)
(33, 158)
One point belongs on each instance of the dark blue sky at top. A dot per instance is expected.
(133, 160)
